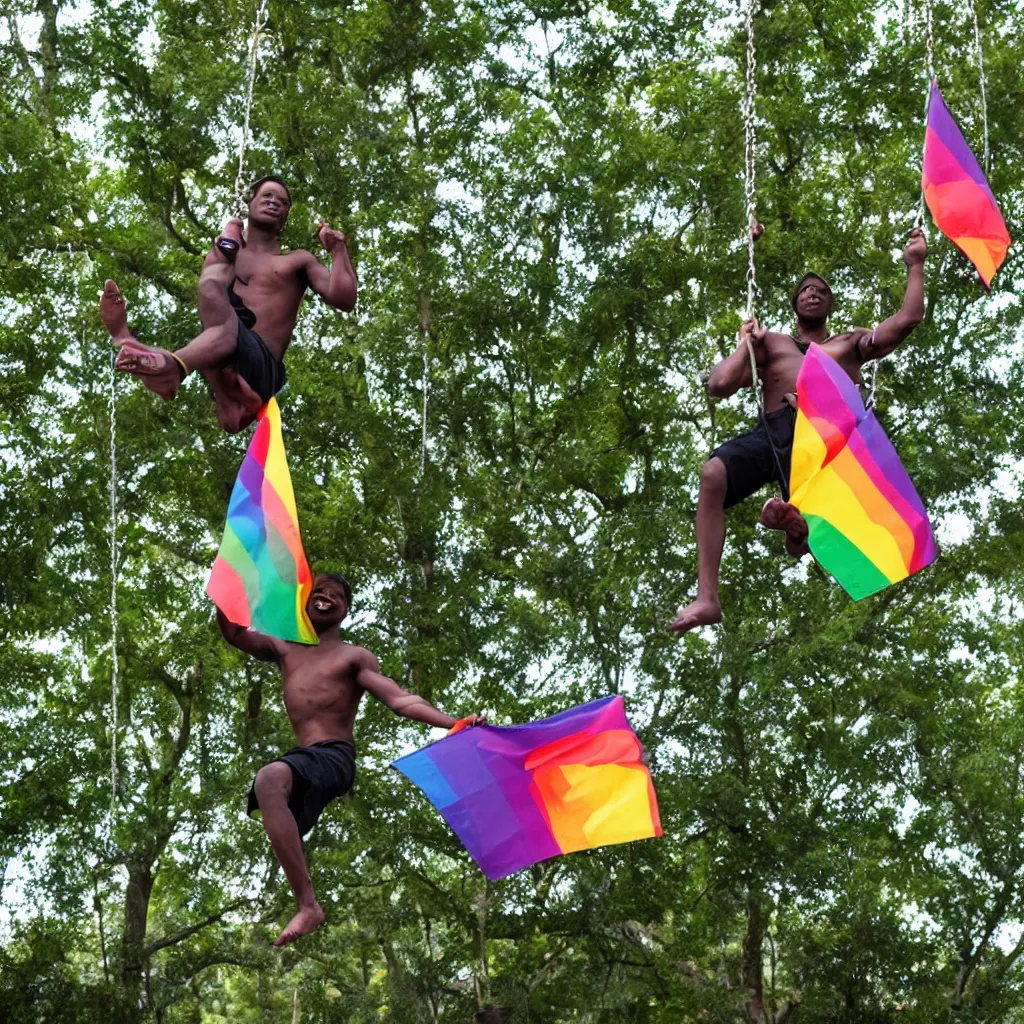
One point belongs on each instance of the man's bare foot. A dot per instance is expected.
(237, 403)
(780, 515)
(155, 367)
(705, 611)
(307, 920)
(114, 313)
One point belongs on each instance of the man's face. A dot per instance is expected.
(326, 605)
(270, 205)
(814, 300)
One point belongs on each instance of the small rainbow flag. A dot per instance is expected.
(519, 794)
(867, 525)
(260, 578)
(957, 194)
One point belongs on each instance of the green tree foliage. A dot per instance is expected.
(545, 206)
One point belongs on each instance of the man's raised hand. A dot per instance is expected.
(329, 238)
(916, 249)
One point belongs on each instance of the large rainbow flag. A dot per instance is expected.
(867, 525)
(957, 193)
(260, 578)
(519, 794)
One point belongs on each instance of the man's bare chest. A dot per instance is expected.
(280, 275)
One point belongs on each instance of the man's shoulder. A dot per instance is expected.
(356, 655)
(847, 339)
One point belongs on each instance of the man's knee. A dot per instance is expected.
(714, 480)
(273, 782)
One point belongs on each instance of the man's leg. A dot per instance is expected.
(160, 370)
(706, 609)
(273, 786)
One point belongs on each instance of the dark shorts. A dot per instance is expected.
(758, 457)
(254, 362)
(320, 772)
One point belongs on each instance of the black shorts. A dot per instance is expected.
(254, 362)
(320, 772)
(758, 457)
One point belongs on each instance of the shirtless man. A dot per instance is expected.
(243, 285)
(323, 686)
(745, 464)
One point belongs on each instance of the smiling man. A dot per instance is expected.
(249, 296)
(323, 686)
(743, 465)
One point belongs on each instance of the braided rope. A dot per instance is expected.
(426, 388)
(114, 679)
(980, 59)
(750, 153)
(258, 25)
(929, 35)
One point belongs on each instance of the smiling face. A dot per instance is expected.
(812, 299)
(328, 603)
(270, 205)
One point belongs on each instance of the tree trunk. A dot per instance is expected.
(753, 980)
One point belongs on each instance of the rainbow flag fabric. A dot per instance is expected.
(867, 525)
(957, 194)
(260, 578)
(519, 794)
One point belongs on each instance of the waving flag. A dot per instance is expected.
(867, 525)
(519, 794)
(957, 193)
(260, 579)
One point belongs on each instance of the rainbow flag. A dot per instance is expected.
(260, 578)
(519, 794)
(867, 525)
(957, 194)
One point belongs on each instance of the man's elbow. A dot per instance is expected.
(718, 388)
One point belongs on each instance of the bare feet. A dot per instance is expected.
(155, 367)
(705, 611)
(779, 515)
(307, 920)
(114, 314)
(237, 403)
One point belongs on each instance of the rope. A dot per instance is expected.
(112, 413)
(258, 25)
(980, 59)
(750, 153)
(426, 385)
(929, 34)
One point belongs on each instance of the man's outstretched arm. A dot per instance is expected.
(337, 286)
(259, 645)
(889, 333)
(403, 703)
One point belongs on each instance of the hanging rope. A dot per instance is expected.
(258, 25)
(114, 694)
(750, 153)
(426, 385)
(929, 37)
(980, 59)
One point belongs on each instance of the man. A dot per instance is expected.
(323, 686)
(245, 286)
(743, 465)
